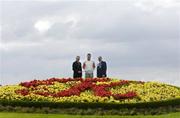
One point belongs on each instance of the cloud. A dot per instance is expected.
(156, 5)
(42, 26)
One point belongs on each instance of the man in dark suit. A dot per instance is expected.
(77, 69)
(101, 68)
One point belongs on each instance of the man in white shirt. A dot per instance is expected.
(89, 67)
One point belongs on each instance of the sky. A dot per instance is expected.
(139, 39)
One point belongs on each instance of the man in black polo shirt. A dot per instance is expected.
(77, 69)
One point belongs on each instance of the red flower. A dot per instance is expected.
(99, 90)
(22, 92)
(126, 95)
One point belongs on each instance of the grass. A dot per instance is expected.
(31, 115)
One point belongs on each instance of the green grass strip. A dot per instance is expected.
(31, 115)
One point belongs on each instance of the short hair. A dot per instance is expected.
(100, 57)
(89, 54)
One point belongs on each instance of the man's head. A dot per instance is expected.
(88, 56)
(77, 58)
(99, 58)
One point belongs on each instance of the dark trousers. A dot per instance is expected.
(77, 75)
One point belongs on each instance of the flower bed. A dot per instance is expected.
(98, 90)
(88, 91)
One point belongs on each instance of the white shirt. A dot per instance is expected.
(89, 66)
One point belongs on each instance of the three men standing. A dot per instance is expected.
(89, 67)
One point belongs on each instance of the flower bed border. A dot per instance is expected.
(153, 104)
(92, 111)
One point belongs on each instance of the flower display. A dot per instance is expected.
(103, 90)
(99, 90)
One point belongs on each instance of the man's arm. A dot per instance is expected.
(94, 65)
(84, 65)
(73, 67)
(105, 66)
(80, 69)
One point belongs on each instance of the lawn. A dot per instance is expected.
(31, 115)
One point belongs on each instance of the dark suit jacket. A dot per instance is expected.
(77, 67)
(101, 69)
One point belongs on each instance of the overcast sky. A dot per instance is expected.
(139, 39)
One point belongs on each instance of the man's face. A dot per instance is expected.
(77, 58)
(88, 57)
(100, 58)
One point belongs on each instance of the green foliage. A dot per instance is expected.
(154, 104)
(91, 109)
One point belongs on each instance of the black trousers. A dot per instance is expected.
(77, 75)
